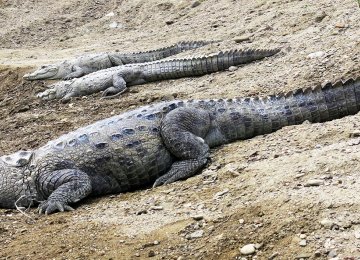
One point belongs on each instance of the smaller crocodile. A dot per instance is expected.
(89, 63)
(114, 81)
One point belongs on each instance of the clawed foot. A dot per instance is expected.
(112, 92)
(163, 180)
(67, 77)
(51, 206)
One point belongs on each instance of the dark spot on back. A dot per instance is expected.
(128, 131)
(83, 138)
(101, 145)
(72, 142)
(116, 136)
(150, 117)
(141, 127)
(172, 106)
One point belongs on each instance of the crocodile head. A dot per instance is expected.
(52, 71)
(16, 185)
(56, 91)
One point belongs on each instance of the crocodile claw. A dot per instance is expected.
(51, 206)
(48, 94)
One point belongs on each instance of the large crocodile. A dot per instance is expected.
(157, 144)
(116, 79)
(89, 63)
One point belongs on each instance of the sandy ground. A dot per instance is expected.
(256, 191)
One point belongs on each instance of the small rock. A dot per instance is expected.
(220, 193)
(273, 256)
(354, 134)
(314, 182)
(341, 25)
(302, 236)
(332, 254)
(303, 242)
(198, 217)
(156, 208)
(196, 234)
(327, 223)
(357, 234)
(195, 4)
(169, 22)
(317, 54)
(110, 14)
(156, 242)
(242, 38)
(320, 16)
(247, 249)
(137, 254)
(151, 253)
(241, 221)
(233, 68)
(113, 25)
(317, 254)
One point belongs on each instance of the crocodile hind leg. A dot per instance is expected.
(182, 131)
(118, 87)
(61, 188)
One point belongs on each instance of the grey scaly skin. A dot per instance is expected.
(114, 81)
(89, 63)
(157, 144)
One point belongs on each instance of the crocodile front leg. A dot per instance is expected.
(61, 188)
(182, 131)
(77, 72)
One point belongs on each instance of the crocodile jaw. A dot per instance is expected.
(44, 72)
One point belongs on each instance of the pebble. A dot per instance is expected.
(354, 134)
(151, 253)
(241, 221)
(113, 25)
(302, 236)
(317, 54)
(110, 14)
(196, 234)
(303, 242)
(233, 68)
(156, 208)
(357, 234)
(247, 249)
(198, 217)
(242, 39)
(327, 223)
(195, 4)
(303, 256)
(220, 193)
(314, 182)
(320, 16)
(332, 254)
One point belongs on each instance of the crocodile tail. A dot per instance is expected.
(244, 118)
(315, 104)
(158, 54)
(178, 68)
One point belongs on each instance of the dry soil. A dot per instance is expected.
(253, 192)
